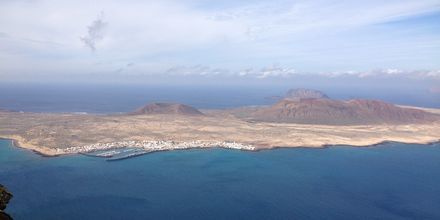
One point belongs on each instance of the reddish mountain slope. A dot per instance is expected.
(336, 112)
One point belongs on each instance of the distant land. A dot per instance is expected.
(298, 94)
(166, 108)
(302, 118)
(336, 112)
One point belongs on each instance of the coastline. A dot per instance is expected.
(61, 134)
(19, 142)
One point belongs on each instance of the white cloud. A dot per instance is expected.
(278, 71)
(197, 70)
(387, 73)
(95, 32)
(43, 36)
(270, 19)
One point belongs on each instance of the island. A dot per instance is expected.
(303, 118)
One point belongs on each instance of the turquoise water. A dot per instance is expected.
(394, 181)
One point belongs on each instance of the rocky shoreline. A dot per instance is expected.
(5, 196)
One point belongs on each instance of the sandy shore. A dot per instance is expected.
(18, 141)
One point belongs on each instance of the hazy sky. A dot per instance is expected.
(43, 39)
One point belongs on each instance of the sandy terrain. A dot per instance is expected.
(50, 133)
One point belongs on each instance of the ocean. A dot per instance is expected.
(389, 181)
(96, 98)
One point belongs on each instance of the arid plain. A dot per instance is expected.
(50, 133)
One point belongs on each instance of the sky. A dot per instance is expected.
(44, 40)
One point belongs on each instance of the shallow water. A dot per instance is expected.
(395, 181)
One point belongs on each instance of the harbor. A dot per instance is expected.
(128, 149)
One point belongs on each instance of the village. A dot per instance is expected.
(155, 146)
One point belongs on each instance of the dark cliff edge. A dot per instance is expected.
(5, 196)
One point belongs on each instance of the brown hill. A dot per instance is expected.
(167, 108)
(336, 112)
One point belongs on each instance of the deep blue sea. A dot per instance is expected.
(392, 181)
